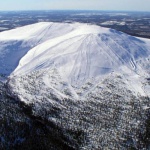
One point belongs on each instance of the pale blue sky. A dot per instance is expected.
(133, 5)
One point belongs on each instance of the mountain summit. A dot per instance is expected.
(78, 51)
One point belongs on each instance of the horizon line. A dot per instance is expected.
(74, 10)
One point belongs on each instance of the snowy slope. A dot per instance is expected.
(17, 42)
(64, 45)
(82, 78)
(79, 51)
(87, 51)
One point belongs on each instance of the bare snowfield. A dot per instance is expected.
(74, 38)
(80, 52)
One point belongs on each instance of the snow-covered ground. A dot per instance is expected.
(80, 77)
(79, 52)
(113, 23)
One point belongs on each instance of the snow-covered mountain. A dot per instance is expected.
(76, 76)
(78, 51)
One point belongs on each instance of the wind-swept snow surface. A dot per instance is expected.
(78, 51)
(17, 42)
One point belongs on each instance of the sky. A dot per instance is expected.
(125, 5)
